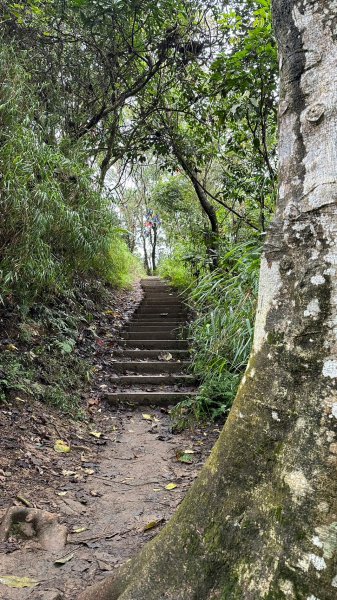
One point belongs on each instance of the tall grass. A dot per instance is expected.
(221, 333)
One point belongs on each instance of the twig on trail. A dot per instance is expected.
(119, 482)
(24, 500)
(40, 581)
(125, 458)
(158, 503)
(65, 500)
(107, 536)
(82, 448)
(56, 429)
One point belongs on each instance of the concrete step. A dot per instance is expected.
(139, 355)
(153, 328)
(161, 308)
(146, 398)
(161, 297)
(146, 319)
(162, 294)
(151, 301)
(157, 314)
(145, 334)
(159, 292)
(158, 366)
(158, 289)
(165, 379)
(158, 319)
(158, 344)
(149, 282)
(160, 304)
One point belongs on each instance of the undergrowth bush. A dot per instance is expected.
(125, 267)
(176, 271)
(181, 266)
(223, 303)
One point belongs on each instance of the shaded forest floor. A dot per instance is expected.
(110, 489)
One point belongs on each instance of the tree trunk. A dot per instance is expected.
(213, 235)
(261, 520)
(154, 248)
(207, 207)
(146, 258)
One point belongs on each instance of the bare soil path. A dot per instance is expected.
(117, 486)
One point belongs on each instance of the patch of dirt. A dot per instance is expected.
(109, 489)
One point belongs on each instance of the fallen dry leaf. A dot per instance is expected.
(88, 471)
(170, 486)
(63, 560)
(17, 582)
(68, 473)
(96, 434)
(147, 417)
(79, 530)
(11, 348)
(61, 446)
(165, 356)
(153, 524)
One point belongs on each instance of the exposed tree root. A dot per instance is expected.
(44, 525)
(109, 589)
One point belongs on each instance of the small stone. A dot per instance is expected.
(104, 566)
(50, 595)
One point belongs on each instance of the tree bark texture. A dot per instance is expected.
(260, 522)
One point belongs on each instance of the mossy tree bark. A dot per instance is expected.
(261, 520)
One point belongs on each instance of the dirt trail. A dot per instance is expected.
(110, 489)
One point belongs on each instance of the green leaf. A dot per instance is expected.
(186, 458)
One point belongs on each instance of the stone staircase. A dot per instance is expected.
(153, 357)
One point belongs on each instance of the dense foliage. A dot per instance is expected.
(114, 113)
(55, 224)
